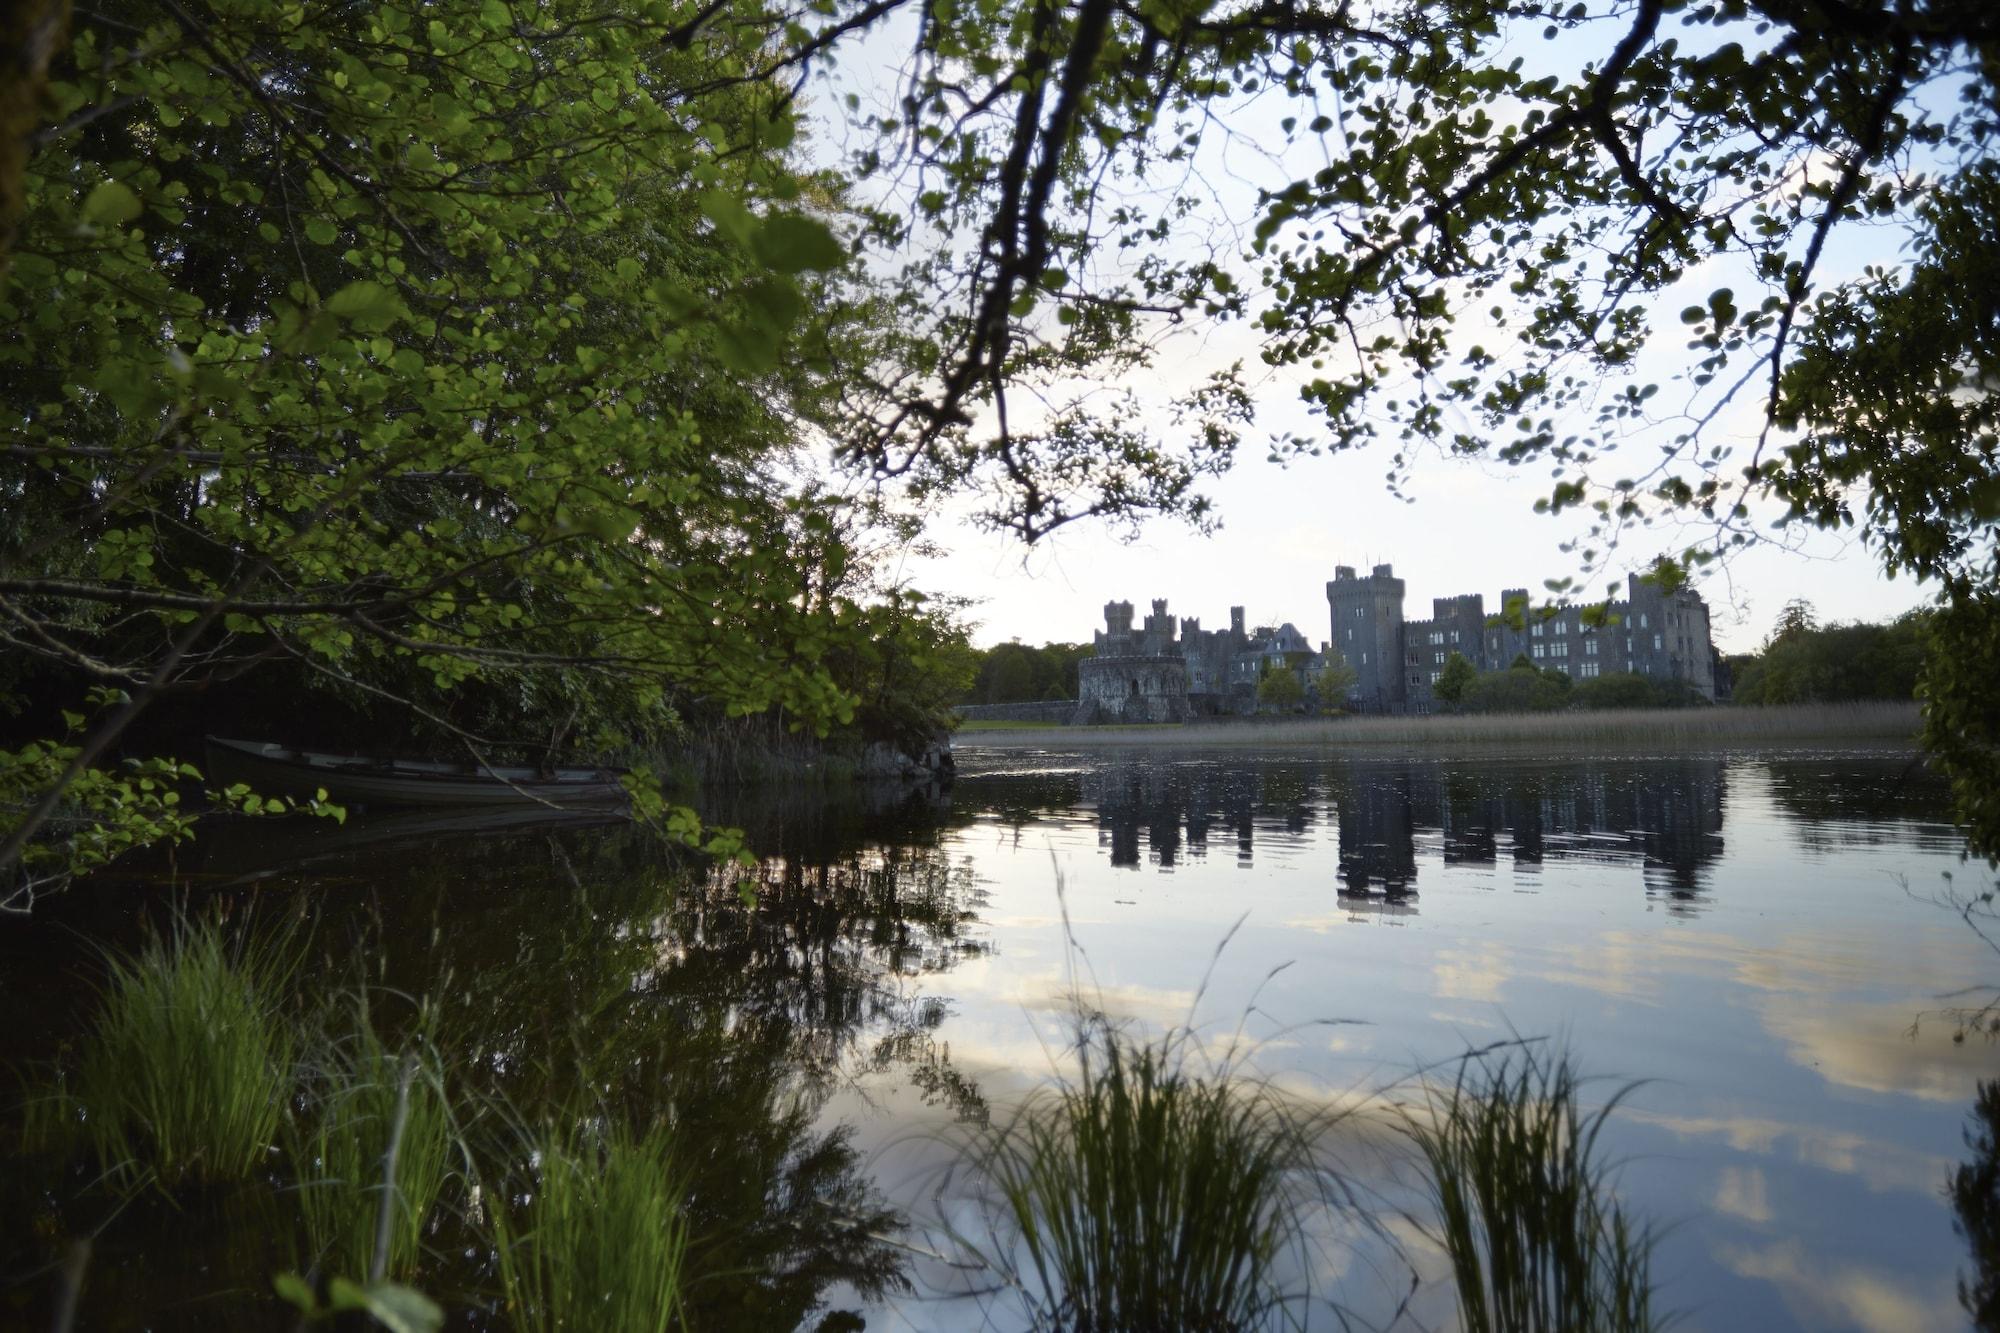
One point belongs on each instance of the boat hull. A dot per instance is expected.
(273, 770)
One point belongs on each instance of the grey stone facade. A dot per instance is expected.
(1133, 675)
(1368, 632)
(1170, 672)
(1652, 633)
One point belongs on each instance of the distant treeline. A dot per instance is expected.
(1015, 673)
(1806, 662)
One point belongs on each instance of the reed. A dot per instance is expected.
(185, 1072)
(1523, 1202)
(600, 1239)
(1147, 1196)
(1627, 731)
(372, 1151)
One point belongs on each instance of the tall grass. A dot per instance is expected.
(185, 1074)
(372, 1151)
(1615, 730)
(1523, 1202)
(1147, 1196)
(600, 1239)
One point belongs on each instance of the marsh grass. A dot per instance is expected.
(1523, 1201)
(1149, 1194)
(599, 1240)
(373, 1149)
(1648, 730)
(184, 1076)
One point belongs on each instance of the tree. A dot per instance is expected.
(1455, 679)
(1499, 198)
(1278, 689)
(1336, 680)
(434, 354)
(1795, 621)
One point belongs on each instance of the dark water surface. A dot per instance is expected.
(1748, 934)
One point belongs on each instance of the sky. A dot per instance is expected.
(1466, 528)
(1460, 526)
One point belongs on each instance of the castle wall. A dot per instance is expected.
(1131, 689)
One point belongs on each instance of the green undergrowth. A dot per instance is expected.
(1153, 1189)
(373, 1148)
(1148, 1194)
(185, 1074)
(595, 1239)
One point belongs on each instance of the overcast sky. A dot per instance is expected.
(1465, 526)
(1468, 528)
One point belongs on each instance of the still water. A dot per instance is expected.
(1752, 936)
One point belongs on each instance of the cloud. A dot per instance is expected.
(1843, 1296)
(1741, 1192)
(1883, 1167)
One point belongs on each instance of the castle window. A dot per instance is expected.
(1414, 679)
(1439, 657)
(1589, 669)
(1590, 647)
(1642, 620)
(1541, 650)
(1454, 636)
(1536, 629)
(1364, 659)
(1434, 677)
(1135, 688)
(1559, 650)
(1562, 627)
(1656, 643)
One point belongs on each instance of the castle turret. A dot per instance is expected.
(1367, 621)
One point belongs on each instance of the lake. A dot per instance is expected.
(1753, 939)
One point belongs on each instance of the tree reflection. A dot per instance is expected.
(1974, 1190)
(575, 972)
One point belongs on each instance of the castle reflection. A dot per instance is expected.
(1380, 821)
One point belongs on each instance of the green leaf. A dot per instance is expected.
(111, 203)
(368, 304)
(728, 214)
(792, 243)
(398, 1308)
(295, 1291)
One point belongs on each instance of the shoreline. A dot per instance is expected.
(1880, 725)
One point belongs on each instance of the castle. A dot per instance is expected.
(1150, 675)
(1169, 672)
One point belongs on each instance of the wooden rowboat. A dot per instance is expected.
(274, 770)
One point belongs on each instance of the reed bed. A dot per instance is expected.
(1523, 1202)
(372, 1152)
(600, 1240)
(1147, 1196)
(1622, 731)
(185, 1075)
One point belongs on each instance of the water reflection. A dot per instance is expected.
(1974, 1190)
(570, 969)
(896, 942)
(1664, 816)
